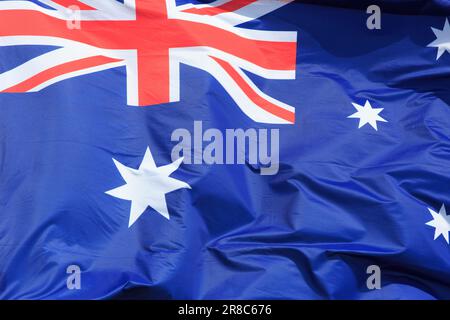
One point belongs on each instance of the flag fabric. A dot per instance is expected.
(117, 179)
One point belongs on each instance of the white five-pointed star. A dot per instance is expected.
(147, 186)
(440, 223)
(367, 114)
(442, 41)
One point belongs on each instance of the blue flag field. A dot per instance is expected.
(229, 149)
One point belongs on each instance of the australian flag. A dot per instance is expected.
(227, 149)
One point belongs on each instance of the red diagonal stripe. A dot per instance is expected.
(256, 98)
(59, 70)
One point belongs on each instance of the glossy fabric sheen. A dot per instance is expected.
(343, 199)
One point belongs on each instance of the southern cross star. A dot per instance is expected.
(367, 114)
(440, 223)
(442, 41)
(147, 186)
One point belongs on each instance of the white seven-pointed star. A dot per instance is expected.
(442, 41)
(367, 114)
(440, 223)
(147, 186)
